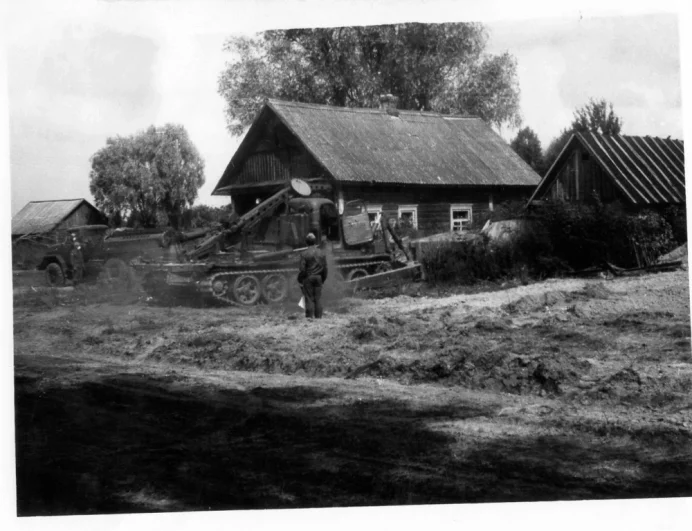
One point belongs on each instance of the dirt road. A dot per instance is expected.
(561, 390)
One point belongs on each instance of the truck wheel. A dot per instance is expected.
(118, 273)
(274, 287)
(247, 289)
(55, 277)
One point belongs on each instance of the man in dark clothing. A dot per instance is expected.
(77, 259)
(311, 277)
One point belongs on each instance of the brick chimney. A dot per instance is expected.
(388, 103)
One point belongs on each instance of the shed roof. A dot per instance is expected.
(647, 170)
(43, 216)
(370, 145)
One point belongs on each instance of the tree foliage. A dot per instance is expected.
(528, 146)
(597, 116)
(205, 215)
(555, 147)
(148, 178)
(429, 67)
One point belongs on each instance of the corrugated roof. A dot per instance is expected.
(42, 216)
(370, 145)
(647, 170)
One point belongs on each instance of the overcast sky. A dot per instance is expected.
(79, 72)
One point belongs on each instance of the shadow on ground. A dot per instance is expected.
(135, 444)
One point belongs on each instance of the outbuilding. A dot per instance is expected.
(50, 220)
(638, 171)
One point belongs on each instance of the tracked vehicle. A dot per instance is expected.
(255, 257)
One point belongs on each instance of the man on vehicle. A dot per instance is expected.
(312, 276)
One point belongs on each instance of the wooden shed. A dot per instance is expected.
(50, 219)
(437, 171)
(640, 172)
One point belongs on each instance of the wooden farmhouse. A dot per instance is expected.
(640, 172)
(50, 220)
(438, 172)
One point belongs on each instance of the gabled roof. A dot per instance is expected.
(646, 170)
(370, 145)
(43, 216)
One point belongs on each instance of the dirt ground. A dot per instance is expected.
(559, 390)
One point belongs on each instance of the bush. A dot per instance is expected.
(557, 237)
(469, 261)
(676, 216)
(583, 235)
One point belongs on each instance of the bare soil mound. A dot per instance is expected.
(534, 302)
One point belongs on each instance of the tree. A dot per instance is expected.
(205, 215)
(597, 116)
(148, 178)
(527, 145)
(429, 67)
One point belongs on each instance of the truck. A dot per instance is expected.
(255, 257)
(105, 253)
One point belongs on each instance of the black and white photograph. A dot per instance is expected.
(379, 260)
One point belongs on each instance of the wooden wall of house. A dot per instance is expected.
(278, 157)
(245, 199)
(579, 177)
(434, 202)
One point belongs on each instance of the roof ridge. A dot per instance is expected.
(57, 200)
(365, 110)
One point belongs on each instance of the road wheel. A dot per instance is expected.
(55, 277)
(219, 288)
(247, 290)
(358, 272)
(118, 273)
(274, 287)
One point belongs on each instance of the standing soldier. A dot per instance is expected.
(77, 259)
(311, 277)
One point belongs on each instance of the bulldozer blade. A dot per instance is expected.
(380, 280)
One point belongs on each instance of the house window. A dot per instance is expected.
(409, 215)
(374, 214)
(460, 217)
(373, 211)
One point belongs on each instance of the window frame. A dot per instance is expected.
(460, 207)
(373, 210)
(409, 208)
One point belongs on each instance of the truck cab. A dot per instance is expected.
(57, 259)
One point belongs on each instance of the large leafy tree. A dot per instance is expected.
(597, 116)
(528, 146)
(148, 178)
(429, 67)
